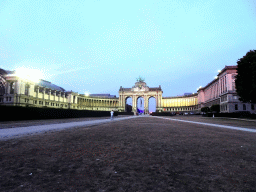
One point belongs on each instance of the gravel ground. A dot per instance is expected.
(247, 123)
(141, 154)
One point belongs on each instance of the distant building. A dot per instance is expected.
(222, 91)
(102, 95)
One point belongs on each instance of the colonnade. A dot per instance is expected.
(100, 103)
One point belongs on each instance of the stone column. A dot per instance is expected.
(43, 92)
(146, 104)
(50, 91)
(54, 95)
(134, 106)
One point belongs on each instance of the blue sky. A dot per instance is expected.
(98, 46)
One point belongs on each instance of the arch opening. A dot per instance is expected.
(128, 104)
(140, 105)
(152, 104)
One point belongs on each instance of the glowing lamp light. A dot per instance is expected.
(29, 74)
(219, 71)
(199, 88)
(216, 77)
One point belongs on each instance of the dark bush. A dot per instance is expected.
(125, 113)
(163, 114)
(239, 114)
(215, 108)
(13, 113)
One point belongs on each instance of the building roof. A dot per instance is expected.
(222, 71)
(227, 67)
(6, 72)
(155, 89)
(49, 85)
(125, 89)
(182, 96)
(102, 95)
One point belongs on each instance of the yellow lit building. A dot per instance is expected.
(186, 103)
(16, 91)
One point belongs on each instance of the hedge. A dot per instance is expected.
(240, 114)
(125, 113)
(163, 114)
(13, 113)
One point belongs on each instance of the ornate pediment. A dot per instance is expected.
(140, 86)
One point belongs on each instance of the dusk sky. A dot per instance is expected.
(98, 46)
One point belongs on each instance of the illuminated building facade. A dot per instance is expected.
(18, 91)
(222, 91)
(186, 103)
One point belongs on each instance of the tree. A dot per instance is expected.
(246, 77)
(205, 109)
(215, 108)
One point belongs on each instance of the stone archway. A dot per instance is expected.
(140, 89)
(128, 104)
(151, 104)
(140, 105)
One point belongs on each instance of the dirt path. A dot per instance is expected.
(38, 128)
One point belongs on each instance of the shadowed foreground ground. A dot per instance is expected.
(142, 154)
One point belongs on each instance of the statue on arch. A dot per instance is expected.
(140, 79)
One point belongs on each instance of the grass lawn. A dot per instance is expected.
(141, 154)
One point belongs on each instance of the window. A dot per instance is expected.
(26, 89)
(252, 106)
(236, 107)
(233, 86)
(244, 107)
(12, 87)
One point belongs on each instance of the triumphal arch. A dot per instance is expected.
(140, 89)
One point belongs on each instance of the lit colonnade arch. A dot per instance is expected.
(186, 103)
(97, 102)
